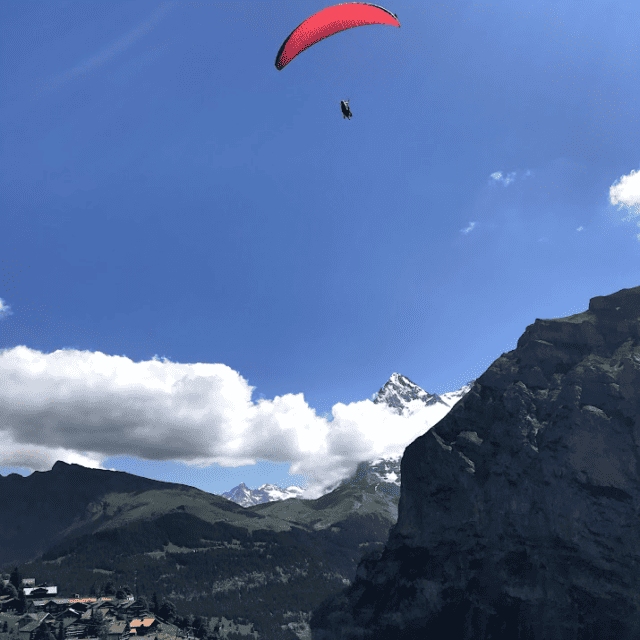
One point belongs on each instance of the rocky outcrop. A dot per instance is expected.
(519, 514)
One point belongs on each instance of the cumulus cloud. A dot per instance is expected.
(5, 309)
(469, 228)
(580, 228)
(625, 192)
(83, 407)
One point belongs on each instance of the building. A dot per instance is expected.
(60, 604)
(40, 591)
(77, 629)
(28, 624)
(126, 619)
(51, 606)
(7, 603)
(107, 607)
(67, 616)
(26, 619)
(143, 626)
(118, 630)
(25, 581)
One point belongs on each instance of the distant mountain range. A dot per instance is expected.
(398, 393)
(265, 556)
(246, 497)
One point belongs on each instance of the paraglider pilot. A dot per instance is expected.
(346, 112)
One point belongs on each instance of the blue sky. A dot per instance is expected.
(167, 192)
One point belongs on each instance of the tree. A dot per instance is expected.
(109, 589)
(142, 601)
(5, 627)
(93, 591)
(189, 622)
(8, 590)
(199, 624)
(167, 611)
(43, 632)
(23, 605)
(98, 626)
(61, 633)
(121, 594)
(213, 630)
(212, 635)
(16, 579)
(154, 603)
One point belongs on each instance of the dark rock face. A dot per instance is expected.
(519, 514)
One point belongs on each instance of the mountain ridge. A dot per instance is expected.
(398, 394)
(245, 497)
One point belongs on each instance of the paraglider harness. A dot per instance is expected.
(346, 111)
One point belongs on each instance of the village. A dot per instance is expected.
(124, 618)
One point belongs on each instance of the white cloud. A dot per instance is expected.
(469, 228)
(625, 192)
(83, 407)
(497, 177)
(580, 228)
(5, 309)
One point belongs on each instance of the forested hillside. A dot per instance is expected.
(268, 578)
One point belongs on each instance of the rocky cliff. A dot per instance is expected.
(519, 511)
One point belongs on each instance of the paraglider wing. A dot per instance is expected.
(331, 20)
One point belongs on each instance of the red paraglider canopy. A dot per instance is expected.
(331, 20)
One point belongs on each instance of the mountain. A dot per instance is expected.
(246, 497)
(47, 506)
(397, 393)
(271, 562)
(373, 490)
(518, 510)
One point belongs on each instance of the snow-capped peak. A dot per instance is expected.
(383, 474)
(399, 391)
(246, 497)
(274, 492)
(451, 397)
